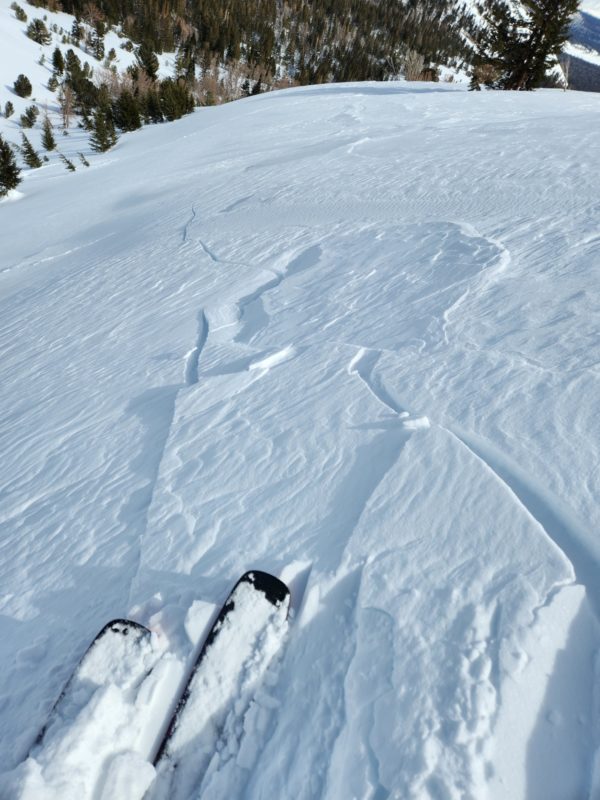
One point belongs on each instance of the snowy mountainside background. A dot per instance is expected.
(583, 49)
(21, 55)
(346, 334)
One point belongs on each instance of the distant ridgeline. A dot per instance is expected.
(295, 41)
(584, 75)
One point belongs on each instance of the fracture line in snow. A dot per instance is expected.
(184, 235)
(483, 279)
(363, 364)
(559, 523)
(251, 309)
(191, 378)
(155, 409)
(192, 359)
(214, 258)
(305, 259)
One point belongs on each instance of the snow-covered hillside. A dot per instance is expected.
(347, 335)
(20, 55)
(582, 52)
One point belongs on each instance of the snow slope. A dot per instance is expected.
(19, 54)
(348, 335)
(590, 7)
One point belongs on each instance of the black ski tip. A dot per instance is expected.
(122, 626)
(275, 590)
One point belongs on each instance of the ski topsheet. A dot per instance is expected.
(244, 640)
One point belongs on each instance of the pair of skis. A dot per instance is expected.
(244, 639)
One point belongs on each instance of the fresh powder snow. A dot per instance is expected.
(347, 335)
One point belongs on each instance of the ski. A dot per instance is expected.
(245, 638)
(118, 655)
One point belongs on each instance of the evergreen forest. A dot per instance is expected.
(301, 41)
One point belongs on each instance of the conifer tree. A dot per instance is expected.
(76, 31)
(147, 60)
(152, 107)
(10, 174)
(48, 140)
(29, 117)
(67, 162)
(38, 31)
(22, 86)
(103, 131)
(97, 41)
(30, 157)
(58, 62)
(127, 112)
(520, 44)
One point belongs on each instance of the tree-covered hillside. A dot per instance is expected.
(307, 42)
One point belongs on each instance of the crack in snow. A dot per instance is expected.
(184, 234)
(560, 525)
(193, 357)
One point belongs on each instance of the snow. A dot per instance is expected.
(347, 335)
(590, 7)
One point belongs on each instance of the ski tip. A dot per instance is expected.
(124, 627)
(275, 590)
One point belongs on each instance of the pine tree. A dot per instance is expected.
(127, 112)
(19, 12)
(58, 62)
(48, 140)
(30, 157)
(38, 31)
(10, 174)
(67, 162)
(22, 86)
(103, 132)
(97, 43)
(521, 44)
(76, 31)
(147, 60)
(29, 117)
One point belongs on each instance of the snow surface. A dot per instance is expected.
(590, 7)
(348, 335)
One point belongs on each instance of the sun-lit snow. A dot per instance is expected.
(590, 7)
(348, 335)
